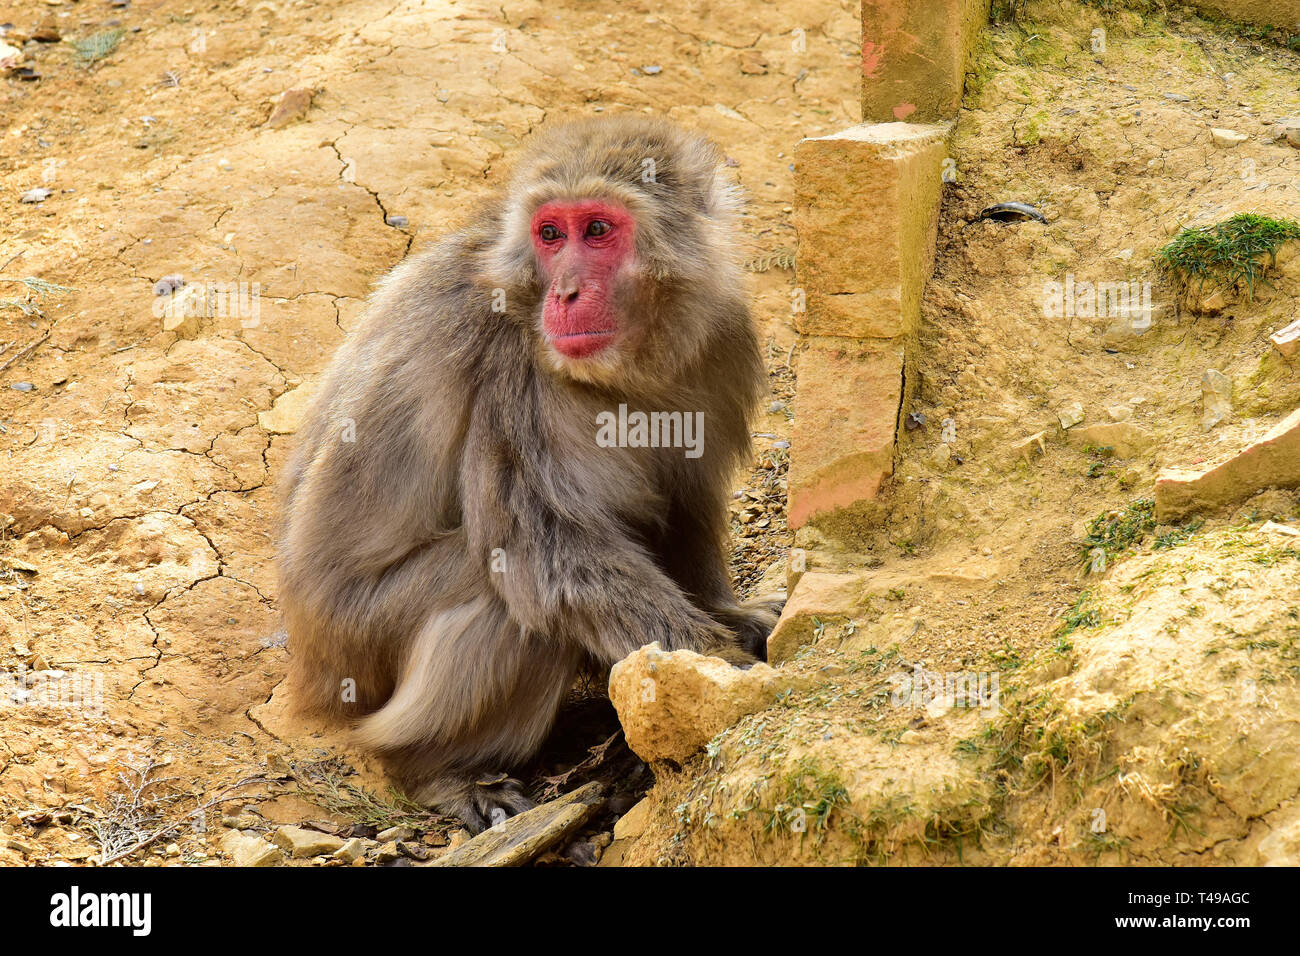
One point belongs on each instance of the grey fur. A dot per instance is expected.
(472, 435)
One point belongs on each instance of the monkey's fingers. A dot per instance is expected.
(731, 652)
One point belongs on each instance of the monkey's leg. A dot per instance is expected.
(476, 696)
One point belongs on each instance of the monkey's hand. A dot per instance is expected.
(752, 621)
(732, 652)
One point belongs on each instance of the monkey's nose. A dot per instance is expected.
(566, 292)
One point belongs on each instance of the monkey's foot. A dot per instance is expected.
(752, 621)
(479, 800)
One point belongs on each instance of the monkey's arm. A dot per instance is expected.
(568, 569)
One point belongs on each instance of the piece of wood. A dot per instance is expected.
(520, 838)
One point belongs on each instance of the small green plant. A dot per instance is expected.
(37, 289)
(98, 45)
(1114, 532)
(1238, 251)
(1178, 536)
(1081, 615)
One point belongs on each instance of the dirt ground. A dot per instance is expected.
(138, 465)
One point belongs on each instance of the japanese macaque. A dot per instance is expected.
(464, 525)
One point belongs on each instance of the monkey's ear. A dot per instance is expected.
(721, 199)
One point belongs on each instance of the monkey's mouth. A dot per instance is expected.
(584, 344)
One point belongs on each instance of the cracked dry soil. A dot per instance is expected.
(137, 465)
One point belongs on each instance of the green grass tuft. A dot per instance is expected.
(1237, 251)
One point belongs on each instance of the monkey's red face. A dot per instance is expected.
(587, 251)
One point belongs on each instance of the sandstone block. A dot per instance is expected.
(249, 849)
(843, 442)
(866, 210)
(1271, 462)
(1263, 12)
(914, 57)
(823, 595)
(299, 842)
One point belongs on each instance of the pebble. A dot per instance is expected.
(351, 851)
(300, 842)
(1070, 415)
(1227, 138)
(168, 284)
(39, 194)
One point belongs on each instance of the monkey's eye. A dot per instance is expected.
(597, 228)
(549, 233)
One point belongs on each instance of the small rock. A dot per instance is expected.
(286, 414)
(22, 386)
(523, 837)
(184, 311)
(1227, 138)
(1288, 131)
(1070, 415)
(248, 849)
(245, 821)
(633, 823)
(169, 284)
(1126, 438)
(1274, 527)
(672, 704)
(351, 851)
(1120, 413)
(1216, 398)
(387, 853)
(1287, 340)
(414, 851)
(395, 834)
(582, 853)
(293, 106)
(1028, 448)
(397, 222)
(1206, 302)
(651, 70)
(300, 842)
(39, 194)
(753, 63)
